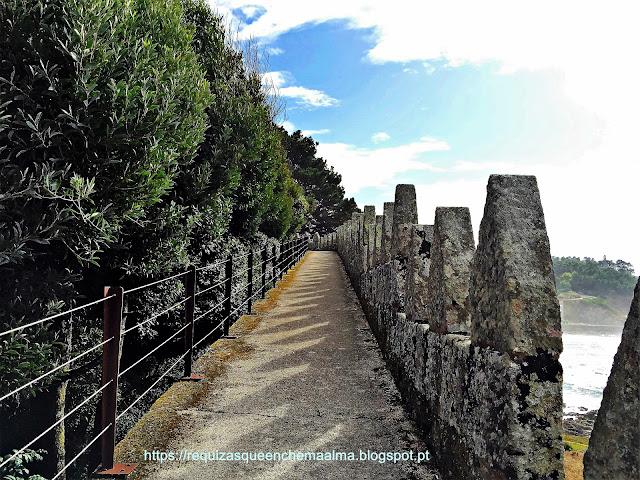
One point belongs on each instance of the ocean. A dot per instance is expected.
(586, 361)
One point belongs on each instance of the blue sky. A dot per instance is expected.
(444, 94)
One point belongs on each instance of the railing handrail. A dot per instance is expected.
(113, 318)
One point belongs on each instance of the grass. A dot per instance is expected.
(573, 457)
(573, 465)
(599, 302)
(576, 444)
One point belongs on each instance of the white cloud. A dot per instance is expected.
(274, 51)
(464, 166)
(277, 79)
(288, 126)
(586, 206)
(592, 45)
(411, 71)
(304, 96)
(251, 11)
(361, 167)
(428, 68)
(307, 133)
(308, 97)
(589, 42)
(380, 137)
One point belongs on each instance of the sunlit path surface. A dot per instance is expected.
(311, 379)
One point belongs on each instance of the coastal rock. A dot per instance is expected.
(580, 424)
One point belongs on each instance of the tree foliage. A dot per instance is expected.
(591, 277)
(102, 101)
(136, 138)
(328, 207)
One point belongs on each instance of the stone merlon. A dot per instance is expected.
(451, 257)
(405, 213)
(513, 293)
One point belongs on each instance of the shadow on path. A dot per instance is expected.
(305, 375)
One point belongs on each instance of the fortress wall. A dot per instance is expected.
(472, 337)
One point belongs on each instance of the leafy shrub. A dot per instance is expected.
(101, 102)
(16, 469)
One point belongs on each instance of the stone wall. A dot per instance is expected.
(324, 242)
(472, 336)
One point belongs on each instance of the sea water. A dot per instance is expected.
(586, 360)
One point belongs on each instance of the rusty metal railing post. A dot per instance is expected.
(250, 281)
(283, 259)
(190, 294)
(112, 321)
(264, 272)
(227, 295)
(274, 266)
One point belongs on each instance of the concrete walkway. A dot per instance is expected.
(313, 380)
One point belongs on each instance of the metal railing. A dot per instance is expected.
(280, 259)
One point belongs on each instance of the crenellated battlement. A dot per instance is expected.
(471, 335)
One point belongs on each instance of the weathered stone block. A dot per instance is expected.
(614, 446)
(357, 245)
(418, 273)
(369, 219)
(387, 232)
(377, 241)
(405, 214)
(447, 301)
(371, 245)
(488, 412)
(513, 295)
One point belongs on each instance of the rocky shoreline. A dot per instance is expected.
(580, 424)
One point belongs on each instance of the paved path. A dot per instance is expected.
(314, 381)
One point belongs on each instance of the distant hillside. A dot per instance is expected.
(602, 278)
(593, 315)
(594, 295)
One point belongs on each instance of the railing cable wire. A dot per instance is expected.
(153, 351)
(67, 415)
(55, 316)
(221, 282)
(153, 385)
(154, 283)
(82, 451)
(154, 317)
(56, 369)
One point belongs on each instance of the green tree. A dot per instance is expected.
(328, 207)
(593, 277)
(135, 139)
(240, 173)
(101, 103)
